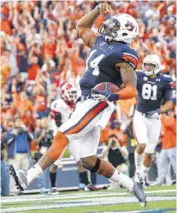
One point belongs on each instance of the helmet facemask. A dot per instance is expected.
(109, 28)
(72, 94)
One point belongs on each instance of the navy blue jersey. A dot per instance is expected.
(100, 65)
(152, 92)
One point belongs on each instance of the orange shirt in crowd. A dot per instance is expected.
(104, 135)
(98, 21)
(5, 10)
(5, 73)
(78, 65)
(33, 70)
(124, 107)
(6, 26)
(169, 132)
(29, 121)
(120, 135)
(21, 106)
(41, 103)
(48, 49)
(74, 62)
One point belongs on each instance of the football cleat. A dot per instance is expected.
(92, 187)
(139, 193)
(20, 177)
(53, 191)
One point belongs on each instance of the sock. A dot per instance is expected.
(53, 179)
(123, 180)
(145, 170)
(138, 161)
(83, 177)
(33, 173)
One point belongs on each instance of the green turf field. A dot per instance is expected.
(160, 199)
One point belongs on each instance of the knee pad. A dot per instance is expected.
(96, 167)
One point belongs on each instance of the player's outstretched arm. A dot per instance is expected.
(85, 23)
(129, 80)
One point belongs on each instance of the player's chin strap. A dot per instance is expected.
(108, 39)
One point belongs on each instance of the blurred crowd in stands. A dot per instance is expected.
(40, 50)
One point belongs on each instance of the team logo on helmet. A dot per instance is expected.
(130, 26)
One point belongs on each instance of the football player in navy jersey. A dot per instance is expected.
(111, 59)
(154, 97)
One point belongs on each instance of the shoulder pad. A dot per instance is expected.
(131, 56)
(166, 78)
(57, 105)
(168, 81)
(100, 39)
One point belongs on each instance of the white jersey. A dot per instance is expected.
(59, 106)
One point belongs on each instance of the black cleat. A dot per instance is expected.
(20, 177)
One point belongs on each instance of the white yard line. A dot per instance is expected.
(90, 202)
(70, 196)
(140, 211)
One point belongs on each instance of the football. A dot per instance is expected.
(113, 87)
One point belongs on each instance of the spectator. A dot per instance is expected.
(18, 142)
(167, 156)
(4, 168)
(117, 154)
(43, 138)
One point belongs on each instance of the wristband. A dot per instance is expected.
(98, 8)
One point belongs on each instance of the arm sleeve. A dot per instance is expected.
(130, 56)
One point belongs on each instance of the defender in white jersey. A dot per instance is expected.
(154, 97)
(61, 109)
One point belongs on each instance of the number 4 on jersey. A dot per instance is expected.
(94, 63)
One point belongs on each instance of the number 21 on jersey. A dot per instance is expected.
(149, 91)
(94, 63)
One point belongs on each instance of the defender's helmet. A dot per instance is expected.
(69, 92)
(151, 64)
(121, 27)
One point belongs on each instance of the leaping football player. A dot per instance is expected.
(111, 59)
(154, 98)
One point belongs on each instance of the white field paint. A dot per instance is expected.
(86, 202)
(30, 198)
(91, 202)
